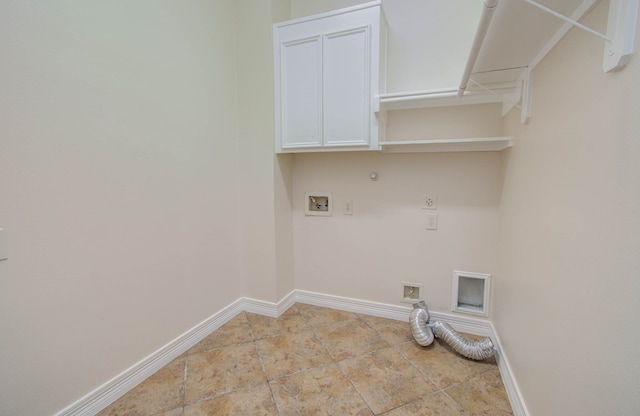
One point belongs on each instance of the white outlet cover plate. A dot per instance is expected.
(430, 202)
(432, 222)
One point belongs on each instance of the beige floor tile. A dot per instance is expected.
(322, 390)
(250, 401)
(266, 326)
(482, 395)
(236, 331)
(235, 370)
(441, 364)
(173, 412)
(385, 379)
(291, 353)
(436, 404)
(162, 391)
(349, 339)
(392, 331)
(316, 315)
(222, 370)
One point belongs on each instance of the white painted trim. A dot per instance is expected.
(486, 290)
(383, 310)
(585, 7)
(513, 391)
(271, 309)
(113, 389)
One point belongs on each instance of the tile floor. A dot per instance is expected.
(317, 361)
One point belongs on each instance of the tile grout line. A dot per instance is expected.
(351, 381)
(262, 367)
(439, 389)
(264, 371)
(395, 348)
(285, 326)
(444, 391)
(184, 381)
(314, 329)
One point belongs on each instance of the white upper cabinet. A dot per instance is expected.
(328, 80)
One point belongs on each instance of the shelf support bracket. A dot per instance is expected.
(621, 29)
(526, 84)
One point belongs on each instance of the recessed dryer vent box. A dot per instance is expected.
(470, 293)
(411, 292)
(318, 203)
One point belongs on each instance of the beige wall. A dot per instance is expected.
(119, 187)
(265, 179)
(140, 195)
(567, 290)
(369, 254)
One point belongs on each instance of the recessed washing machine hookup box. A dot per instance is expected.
(318, 203)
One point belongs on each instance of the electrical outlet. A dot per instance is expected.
(430, 202)
(432, 222)
(348, 208)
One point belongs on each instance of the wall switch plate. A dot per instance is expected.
(432, 222)
(348, 208)
(318, 203)
(430, 202)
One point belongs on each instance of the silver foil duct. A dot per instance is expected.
(424, 332)
(476, 350)
(418, 321)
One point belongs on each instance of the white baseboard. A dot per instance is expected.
(515, 396)
(383, 310)
(461, 323)
(269, 308)
(109, 392)
(113, 389)
(399, 313)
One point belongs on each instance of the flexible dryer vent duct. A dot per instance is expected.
(424, 333)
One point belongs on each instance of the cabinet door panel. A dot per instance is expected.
(346, 87)
(301, 83)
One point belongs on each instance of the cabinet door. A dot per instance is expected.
(346, 87)
(301, 92)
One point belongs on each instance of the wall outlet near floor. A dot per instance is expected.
(411, 292)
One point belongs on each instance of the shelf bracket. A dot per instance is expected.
(526, 84)
(621, 29)
(522, 94)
